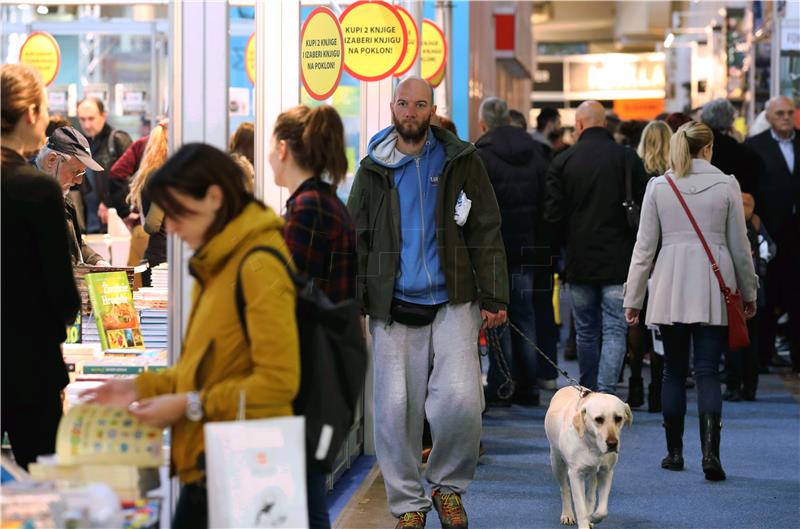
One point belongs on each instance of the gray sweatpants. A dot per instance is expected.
(431, 371)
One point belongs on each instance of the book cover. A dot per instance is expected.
(74, 331)
(100, 435)
(112, 306)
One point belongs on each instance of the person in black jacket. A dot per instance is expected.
(778, 205)
(585, 191)
(97, 191)
(730, 156)
(39, 298)
(516, 169)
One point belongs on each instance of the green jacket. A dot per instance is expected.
(473, 256)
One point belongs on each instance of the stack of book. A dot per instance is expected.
(159, 276)
(152, 304)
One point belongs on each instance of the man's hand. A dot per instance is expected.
(750, 309)
(102, 212)
(632, 316)
(493, 319)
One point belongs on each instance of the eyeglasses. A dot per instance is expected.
(784, 113)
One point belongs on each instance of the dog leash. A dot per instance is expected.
(583, 390)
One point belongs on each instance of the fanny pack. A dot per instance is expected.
(413, 314)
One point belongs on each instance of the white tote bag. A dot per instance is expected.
(256, 473)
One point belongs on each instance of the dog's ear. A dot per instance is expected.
(628, 415)
(579, 422)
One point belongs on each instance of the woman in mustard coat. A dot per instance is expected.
(202, 193)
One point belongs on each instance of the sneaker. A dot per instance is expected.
(411, 520)
(451, 511)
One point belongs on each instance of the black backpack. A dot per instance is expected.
(333, 363)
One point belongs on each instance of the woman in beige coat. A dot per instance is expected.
(685, 299)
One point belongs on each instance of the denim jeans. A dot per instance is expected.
(519, 355)
(599, 319)
(707, 343)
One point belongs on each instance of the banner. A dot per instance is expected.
(434, 51)
(375, 40)
(321, 53)
(412, 51)
(250, 58)
(41, 51)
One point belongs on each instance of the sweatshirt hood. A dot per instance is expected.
(383, 148)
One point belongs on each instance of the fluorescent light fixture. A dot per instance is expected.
(669, 40)
(42, 10)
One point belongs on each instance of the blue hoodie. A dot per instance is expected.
(416, 178)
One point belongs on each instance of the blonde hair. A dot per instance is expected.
(686, 143)
(21, 87)
(654, 147)
(155, 154)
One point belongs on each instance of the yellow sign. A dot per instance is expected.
(434, 51)
(321, 53)
(41, 51)
(436, 81)
(412, 51)
(375, 40)
(250, 58)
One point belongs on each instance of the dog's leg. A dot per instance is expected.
(578, 487)
(604, 478)
(591, 492)
(560, 472)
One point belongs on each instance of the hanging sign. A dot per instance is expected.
(375, 40)
(434, 50)
(321, 53)
(250, 58)
(412, 51)
(41, 51)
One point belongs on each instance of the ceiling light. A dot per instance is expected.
(42, 10)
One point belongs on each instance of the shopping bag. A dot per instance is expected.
(256, 473)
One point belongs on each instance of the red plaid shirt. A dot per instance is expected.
(321, 237)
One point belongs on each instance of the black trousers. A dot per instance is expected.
(191, 512)
(741, 365)
(783, 294)
(32, 428)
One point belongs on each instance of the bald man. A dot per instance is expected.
(431, 266)
(778, 204)
(585, 191)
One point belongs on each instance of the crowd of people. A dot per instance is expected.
(440, 239)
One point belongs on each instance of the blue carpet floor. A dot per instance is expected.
(760, 451)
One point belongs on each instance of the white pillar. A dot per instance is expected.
(277, 84)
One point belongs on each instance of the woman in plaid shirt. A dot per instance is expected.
(308, 144)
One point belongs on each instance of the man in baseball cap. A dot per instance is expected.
(65, 158)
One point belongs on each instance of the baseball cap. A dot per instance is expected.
(67, 140)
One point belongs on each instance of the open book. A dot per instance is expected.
(114, 313)
(99, 435)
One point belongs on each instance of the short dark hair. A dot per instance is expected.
(518, 119)
(191, 171)
(546, 115)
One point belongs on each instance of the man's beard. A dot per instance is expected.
(408, 132)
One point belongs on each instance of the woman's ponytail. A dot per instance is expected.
(316, 140)
(323, 143)
(686, 144)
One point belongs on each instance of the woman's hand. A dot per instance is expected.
(750, 309)
(161, 411)
(632, 316)
(120, 393)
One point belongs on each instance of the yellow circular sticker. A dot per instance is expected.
(434, 50)
(321, 53)
(41, 51)
(375, 40)
(436, 81)
(250, 58)
(412, 51)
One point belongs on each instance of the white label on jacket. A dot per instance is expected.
(463, 205)
(325, 437)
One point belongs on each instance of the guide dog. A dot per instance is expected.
(584, 434)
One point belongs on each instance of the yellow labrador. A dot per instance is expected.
(584, 435)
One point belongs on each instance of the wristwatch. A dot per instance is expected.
(194, 406)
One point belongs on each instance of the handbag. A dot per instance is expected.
(632, 210)
(413, 314)
(256, 473)
(737, 324)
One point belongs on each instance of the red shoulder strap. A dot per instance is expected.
(725, 290)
